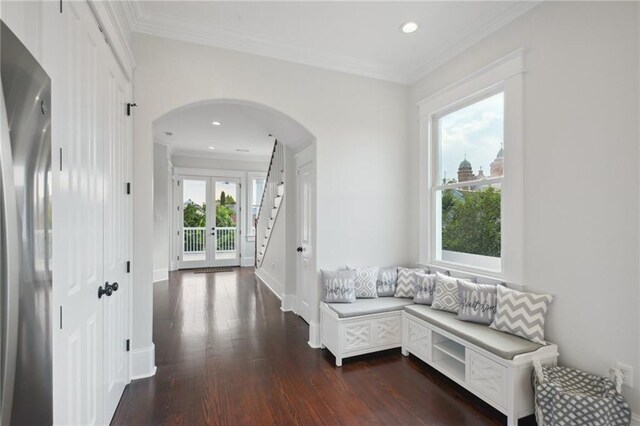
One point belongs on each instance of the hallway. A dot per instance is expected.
(227, 354)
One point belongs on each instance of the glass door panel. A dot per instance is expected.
(227, 221)
(194, 223)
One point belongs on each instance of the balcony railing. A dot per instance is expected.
(195, 240)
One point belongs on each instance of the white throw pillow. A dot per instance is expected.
(366, 278)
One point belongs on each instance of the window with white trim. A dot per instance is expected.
(471, 146)
(256, 188)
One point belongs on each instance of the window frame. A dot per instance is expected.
(251, 176)
(504, 75)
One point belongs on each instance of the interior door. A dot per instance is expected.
(74, 43)
(225, 233)
(116, 145)
(305, 267)
(194, 216)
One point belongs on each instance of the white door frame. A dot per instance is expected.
(211, 177)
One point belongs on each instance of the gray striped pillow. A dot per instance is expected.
(522, 313)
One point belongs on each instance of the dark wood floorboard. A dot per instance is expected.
(226, 354)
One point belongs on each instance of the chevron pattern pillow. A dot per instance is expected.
(406, 281)
(366, 279)
(445, 297)
(521, 313)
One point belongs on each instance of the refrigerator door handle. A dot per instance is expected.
(10, 278)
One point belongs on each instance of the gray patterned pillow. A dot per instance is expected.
(445, 297)
(424, 288)
(477, 302)
(522, 313)
(406, 282)
(339, 286)
(366, 278)
(386, 283)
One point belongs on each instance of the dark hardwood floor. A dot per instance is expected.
(227, 354)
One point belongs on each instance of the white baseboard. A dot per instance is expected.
(247, 261)
(160, 274)
(143, 362)
(314, 335)
(271, 283)
(288, 302)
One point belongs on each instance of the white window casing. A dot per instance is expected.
(504, 75)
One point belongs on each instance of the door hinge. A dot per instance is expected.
(60, 6)
(60, 159)
(178, 257)
(178, 208)
(129, 106)
(128, 188)
(60, 317)
(128, 345)
(178, 232)
(128, 266)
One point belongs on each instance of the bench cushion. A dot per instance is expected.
(504, 345)
(369, 306)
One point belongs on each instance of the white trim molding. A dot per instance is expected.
(160, 275)
(289, 303)
(143, 362)
(314, 335)
(142, 20)
(270, 282)
(505, 75)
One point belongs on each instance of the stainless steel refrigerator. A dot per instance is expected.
(25, 237)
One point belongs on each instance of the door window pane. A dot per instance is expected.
(194, 220)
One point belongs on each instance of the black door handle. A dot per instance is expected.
(108, 290)
(115, 286)
(299, 249)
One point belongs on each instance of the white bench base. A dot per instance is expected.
(504, 384)
(347, 337)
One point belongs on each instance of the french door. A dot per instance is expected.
(209, 222)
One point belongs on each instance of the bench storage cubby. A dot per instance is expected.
(494, 366)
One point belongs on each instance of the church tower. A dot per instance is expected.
(497, 166)
(465, 171)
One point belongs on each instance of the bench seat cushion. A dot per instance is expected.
(369, 306)
(504, 345)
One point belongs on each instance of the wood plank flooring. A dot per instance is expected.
(226, 354)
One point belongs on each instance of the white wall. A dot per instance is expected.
(360, 129)
(219, 163)
(581, 171)
(161, 219)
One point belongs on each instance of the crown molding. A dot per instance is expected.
(457, 48)
(117, 28)
(141, 20)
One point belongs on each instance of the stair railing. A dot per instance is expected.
(263, 224)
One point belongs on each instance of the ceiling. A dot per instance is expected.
(243, 127)
(357, 37)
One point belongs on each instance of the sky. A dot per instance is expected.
(196, 190)
(476, 131)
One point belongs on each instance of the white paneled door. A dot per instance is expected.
(116, 152)
(91, 139)
(305, 266)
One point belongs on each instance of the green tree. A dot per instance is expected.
(471, 221)
(223, 198)
(194, 215)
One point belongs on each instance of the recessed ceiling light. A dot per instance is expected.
(242, 150)
(211, 147)
(409, 27)
(216, 123)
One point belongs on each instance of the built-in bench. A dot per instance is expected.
(368, 325)
(493, 365)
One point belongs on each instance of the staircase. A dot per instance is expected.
(271, 201)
